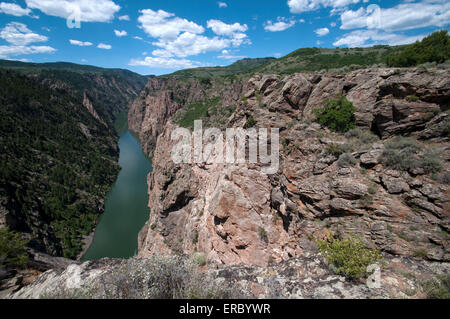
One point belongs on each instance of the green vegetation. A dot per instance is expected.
(241, 66)
(433, 48)
(12, 249)
(334, 149)
(56, 162)
(317, 59)
(196, 111)
(199, 259)
(338, 115)
(347, 160)
(251, 122)
(263, 235)
(404, 153)
(438, 288)
(348, 256)
(154, 278)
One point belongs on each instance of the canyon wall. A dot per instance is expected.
(236, 214)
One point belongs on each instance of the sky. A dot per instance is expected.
(162, 36)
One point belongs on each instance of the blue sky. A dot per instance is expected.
(158, 37)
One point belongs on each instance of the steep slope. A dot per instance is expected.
(59, 149)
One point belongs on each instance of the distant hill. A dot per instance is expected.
(241, 66)
(317, 59)
(111, 90)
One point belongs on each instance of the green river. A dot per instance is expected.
(126, 208)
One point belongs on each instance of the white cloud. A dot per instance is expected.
(165, 63)
(299, 6)
(18, 34)
(104, 46)
(226, 55)
(322, 32)
(365, 38)
(137, 38)
(9, 51)
(404, 16)
(178, 37)
(80, 43)
(13, 9)
(19, 37)
(221, 28)
(162, 24)
(120, 33)
(188, 44)
(222, 4)
(90, 11)
(281, 25)
(124, 18)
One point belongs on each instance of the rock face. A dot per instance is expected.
(235, 214)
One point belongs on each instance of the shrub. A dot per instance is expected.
(251, 122)
(199, 259)
(346, 160)
(366, 200)
(263, 234)
(438, 288)
(12, 249)
(338, 115)
(153, 278)
(402, 153)
(412, 98)
(362, 137)
(334, 149)
(420, 253)
(348, 256)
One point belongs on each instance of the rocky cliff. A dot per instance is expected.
(237, 214)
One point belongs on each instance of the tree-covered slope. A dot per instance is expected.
(57, 162)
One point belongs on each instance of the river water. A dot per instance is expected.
(126, 208)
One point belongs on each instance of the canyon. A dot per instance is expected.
(259, 231)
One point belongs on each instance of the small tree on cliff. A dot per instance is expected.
(338, 114)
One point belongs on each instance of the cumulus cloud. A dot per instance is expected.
(221, 28)
(299, 6)
(104, 46)
(19, 37)
(18, 34)
(322, 32)
(10, 51)
(162, 24)
(120, 33)
(90, 11)
(124, 18)
(188, 44)
(178, 37)
(80, 43)
(365, 38)
(404, 16)
(13, 9)
(281, 25)
(165, 63)
(227, 55)
(222, 4)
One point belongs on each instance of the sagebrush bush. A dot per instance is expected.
(406, 154)
(338, 114)
(12, 249)
(156, 278)
(347, 160)
(438, 288)
(361, 136)
(349, 256)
